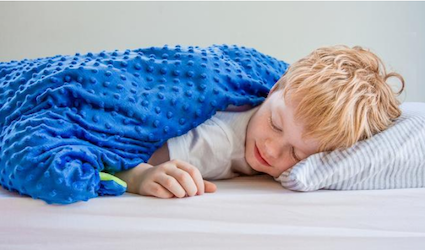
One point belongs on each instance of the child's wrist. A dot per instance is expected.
(133, 176)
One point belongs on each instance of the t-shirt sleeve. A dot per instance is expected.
(207, 147)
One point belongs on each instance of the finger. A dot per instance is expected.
(185, 180)
(171, 184)
(159, 191)
(210, 187)
(195, 173)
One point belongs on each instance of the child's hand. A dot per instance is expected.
(173, 178)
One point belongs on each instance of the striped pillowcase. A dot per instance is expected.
(394, 158)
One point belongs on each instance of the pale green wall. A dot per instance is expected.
(287, 30)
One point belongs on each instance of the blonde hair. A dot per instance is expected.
(341, 95)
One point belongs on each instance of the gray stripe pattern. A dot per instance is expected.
(394, 158)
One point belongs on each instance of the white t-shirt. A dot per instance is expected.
(217, 146)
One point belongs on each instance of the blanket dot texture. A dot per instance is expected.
(66, 119)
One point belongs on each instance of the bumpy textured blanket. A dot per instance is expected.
(69, 122)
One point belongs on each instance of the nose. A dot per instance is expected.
(272, 148)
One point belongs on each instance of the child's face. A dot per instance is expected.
(274, 150)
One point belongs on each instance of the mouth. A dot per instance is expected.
(259, 157)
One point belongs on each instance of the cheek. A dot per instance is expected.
(285, 165)
(257, 127)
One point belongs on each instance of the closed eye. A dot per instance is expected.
(294, 155)
(273, 126)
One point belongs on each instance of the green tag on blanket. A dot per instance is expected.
(109, 177)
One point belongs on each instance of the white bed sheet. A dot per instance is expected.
(244, 213)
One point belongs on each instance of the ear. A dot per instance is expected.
(274, 88)
(276, 85)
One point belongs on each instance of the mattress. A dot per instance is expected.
(245, 213)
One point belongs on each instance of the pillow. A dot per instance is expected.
(393, 158)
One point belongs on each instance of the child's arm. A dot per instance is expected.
(167, 179)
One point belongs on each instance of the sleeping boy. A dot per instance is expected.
(331, 99)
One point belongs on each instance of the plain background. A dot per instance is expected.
(395, 31)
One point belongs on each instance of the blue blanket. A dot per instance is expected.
(69, 121)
